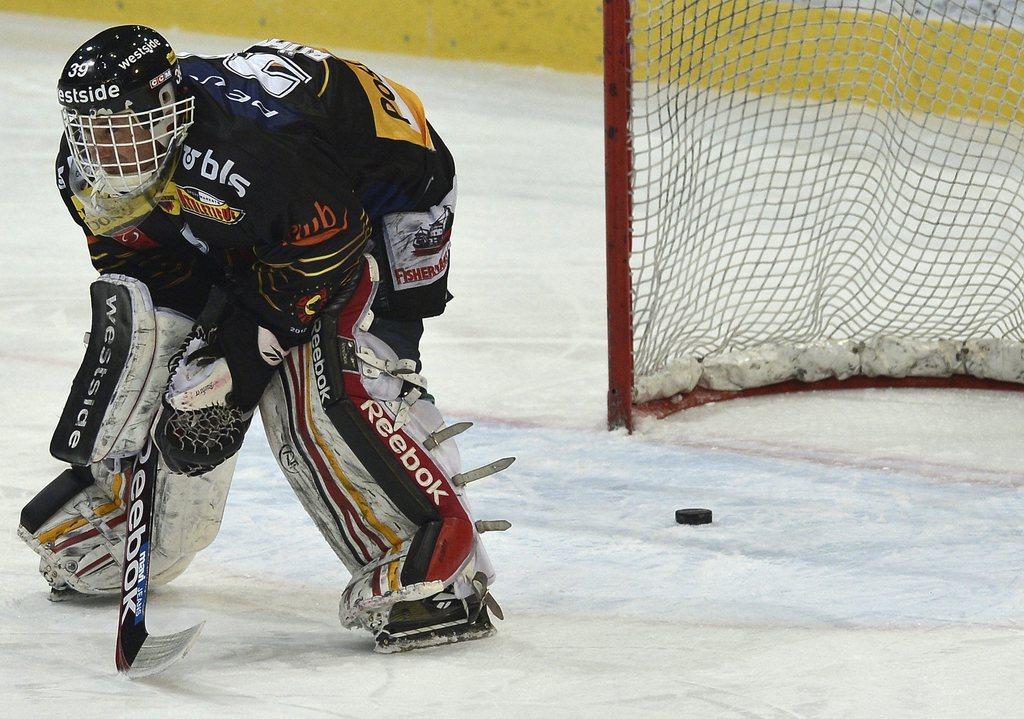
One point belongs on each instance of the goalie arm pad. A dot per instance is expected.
(116, 392)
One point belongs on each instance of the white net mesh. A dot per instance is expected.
(825, 183)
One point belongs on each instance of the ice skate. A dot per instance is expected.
(440, 619)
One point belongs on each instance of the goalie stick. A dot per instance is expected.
(140, 654)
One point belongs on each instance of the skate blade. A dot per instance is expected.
(397, 645)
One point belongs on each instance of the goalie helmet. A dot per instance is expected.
(125, 111)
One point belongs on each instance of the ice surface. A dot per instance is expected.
(865, 561)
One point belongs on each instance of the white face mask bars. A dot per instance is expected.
(121, 154)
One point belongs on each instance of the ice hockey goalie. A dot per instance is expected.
(271, 227)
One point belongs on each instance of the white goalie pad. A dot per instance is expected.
(365, 454)
(171, 330)
(371, 535)
(81, 544)
(116, 392)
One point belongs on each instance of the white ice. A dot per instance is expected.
(867, 549)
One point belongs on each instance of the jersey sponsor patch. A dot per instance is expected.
(323, 225)
(418, 243)
(202, 203)
(206, 74)
(397, 111)
(220, 170)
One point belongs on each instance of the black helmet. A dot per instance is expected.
(125, 110)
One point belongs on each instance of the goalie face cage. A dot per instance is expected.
(811, 195)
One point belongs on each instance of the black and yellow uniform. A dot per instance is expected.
(285, 179)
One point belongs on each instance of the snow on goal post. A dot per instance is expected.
(812, 192)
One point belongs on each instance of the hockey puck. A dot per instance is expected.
(693, 516)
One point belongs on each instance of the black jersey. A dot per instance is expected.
(294, 157)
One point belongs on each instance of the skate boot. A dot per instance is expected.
(439, 619)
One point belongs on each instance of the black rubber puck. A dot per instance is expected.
(693, 516)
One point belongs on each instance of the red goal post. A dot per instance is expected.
(804, 197)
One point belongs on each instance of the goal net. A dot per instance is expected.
(812, 191)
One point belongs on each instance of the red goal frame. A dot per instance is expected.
(622, 412)
(618, 211)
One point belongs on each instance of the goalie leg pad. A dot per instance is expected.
(350, 509)
(342, 419)
(116, 392)
(442, 557)
(75, 524)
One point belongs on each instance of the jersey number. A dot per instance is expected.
(277, 75)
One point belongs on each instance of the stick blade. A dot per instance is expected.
(159, 652)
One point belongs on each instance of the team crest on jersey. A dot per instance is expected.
(309, 305)
(202, 203)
